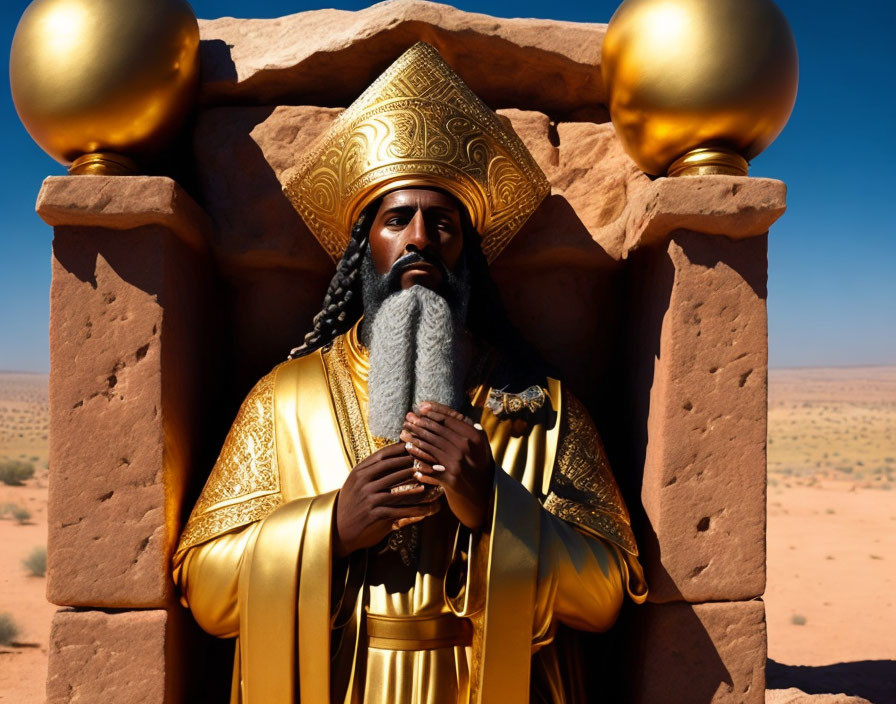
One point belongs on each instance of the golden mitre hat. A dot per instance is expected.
(418, 124)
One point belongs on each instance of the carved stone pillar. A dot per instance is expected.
(129, 305)
(699, 370)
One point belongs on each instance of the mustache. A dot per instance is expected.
(415, 257)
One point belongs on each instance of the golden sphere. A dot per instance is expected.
(113, 76)
(686, 74)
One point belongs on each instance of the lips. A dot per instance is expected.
(425, 267)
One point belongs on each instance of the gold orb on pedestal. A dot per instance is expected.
(102, 83)
(698, 86)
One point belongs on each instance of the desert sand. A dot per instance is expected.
(830, 604)
(24, 423)
(831, 609)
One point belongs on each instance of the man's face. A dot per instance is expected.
(422, 223)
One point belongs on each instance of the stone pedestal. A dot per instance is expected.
(648, 296)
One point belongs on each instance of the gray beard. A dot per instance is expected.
(415, 355)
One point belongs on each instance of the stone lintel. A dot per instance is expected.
(735, 206)
(293, 59)
(709, 653)
(123, 203)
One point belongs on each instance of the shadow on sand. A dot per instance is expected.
(875, 680)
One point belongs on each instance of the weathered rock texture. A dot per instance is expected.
(734, 206)
(702, 653)
(538, 64)
(704, 353)
(126, 339)
(101, 657)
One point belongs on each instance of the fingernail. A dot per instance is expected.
(395, 525)
(425, 406)
(438, 467)
(477, 426)
(418, 474)
(408, 446)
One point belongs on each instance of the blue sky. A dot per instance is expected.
(832, 256)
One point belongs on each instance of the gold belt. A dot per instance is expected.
(417, 632)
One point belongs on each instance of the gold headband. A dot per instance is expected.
(418, 124)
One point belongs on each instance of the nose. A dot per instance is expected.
(418, 235)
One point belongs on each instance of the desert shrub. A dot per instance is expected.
(14, 472)
(36, 562)
(798, 620)
(20, 514)
(8, 629)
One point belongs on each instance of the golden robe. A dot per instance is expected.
(462, 625)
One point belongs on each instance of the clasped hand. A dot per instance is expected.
(454, 453)
(439, 447)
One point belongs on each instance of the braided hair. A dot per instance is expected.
(342, 306)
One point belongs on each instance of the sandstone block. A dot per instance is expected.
(540, 64)
(127, 329)
(121, 203)
(701, 653)
(703, 489)
(734, 206)
(104, 658)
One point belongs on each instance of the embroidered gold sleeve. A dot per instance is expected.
(582, 489)
(244, 485)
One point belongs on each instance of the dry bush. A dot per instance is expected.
(15, 472)
(36, 562)
(8, 629)
(19, 513)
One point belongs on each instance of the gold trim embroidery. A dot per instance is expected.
(210, 525)
(583, 490)
(345, 401)
(246, 467)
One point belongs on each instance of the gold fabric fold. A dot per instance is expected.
(290, 566)
(501, 665)
(314, 601)
(268, 594)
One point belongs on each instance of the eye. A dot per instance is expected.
(397, 221)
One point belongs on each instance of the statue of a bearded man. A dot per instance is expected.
(405, 510)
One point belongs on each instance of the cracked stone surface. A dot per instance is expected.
(541, 64)
(703, 487)
(102, 657)
(120, 412)
(701, 653)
